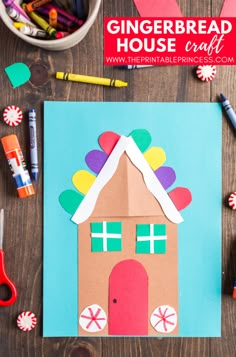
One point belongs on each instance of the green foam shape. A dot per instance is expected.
(18, 74)
(142, 138)
(70, 200)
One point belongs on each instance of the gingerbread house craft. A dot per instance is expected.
(127, 238)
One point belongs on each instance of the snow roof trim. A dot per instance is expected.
(126, 145)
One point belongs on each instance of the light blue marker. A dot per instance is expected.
(33, 144)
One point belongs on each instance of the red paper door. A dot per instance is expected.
(128, 299)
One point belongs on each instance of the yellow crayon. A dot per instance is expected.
(90, 79)
(18, 25)
(41, 22)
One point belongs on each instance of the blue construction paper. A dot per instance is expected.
(191, 135)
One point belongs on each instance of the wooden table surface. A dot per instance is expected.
(23, 228)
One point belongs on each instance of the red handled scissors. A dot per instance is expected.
(4, 280)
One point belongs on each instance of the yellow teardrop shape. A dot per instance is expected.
(155, 156)
(83, 180)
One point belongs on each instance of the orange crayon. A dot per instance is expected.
(17, 165)
(53, 17)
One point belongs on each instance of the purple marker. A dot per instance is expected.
(16, 6)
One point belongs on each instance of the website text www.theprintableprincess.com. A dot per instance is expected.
(169, 41)
(169, 60)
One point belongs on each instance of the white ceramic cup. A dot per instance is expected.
(60, 44)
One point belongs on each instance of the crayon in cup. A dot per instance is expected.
(17, 165)
(42, 23)
(16, 16)
(71, 19)
(35, 4)
(13, 4)
(58, 19)
(31, 31)
(53, 17)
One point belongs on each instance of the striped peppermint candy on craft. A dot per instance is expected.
(93, 318)
(12, 115)
(26, 321)
(164, 319)
(232, 200)
(206, 73)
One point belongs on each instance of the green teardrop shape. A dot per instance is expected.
(70, 200)
(142, 138)
(18, 74)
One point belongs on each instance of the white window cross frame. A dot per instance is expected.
(104, 235)
(152, 238)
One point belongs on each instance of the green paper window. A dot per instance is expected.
(106, 236)
(151, 238)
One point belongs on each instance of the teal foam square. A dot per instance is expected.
(97, 244)
(143, 247)
(114, 244)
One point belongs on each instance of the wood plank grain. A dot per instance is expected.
(23, 230)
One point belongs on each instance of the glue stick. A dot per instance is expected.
(17, 165)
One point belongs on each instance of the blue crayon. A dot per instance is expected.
(229, 110)
(33, 144)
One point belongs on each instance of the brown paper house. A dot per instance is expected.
(127, 250)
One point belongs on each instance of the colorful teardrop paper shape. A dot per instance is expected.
(142, 138)
(108, 141)
(83, 180)
(95, 160)
(155, 157)
(18, 74)
(181, 197)
(166, 175)
(70, 200)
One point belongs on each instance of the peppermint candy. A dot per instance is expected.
(232, 200)
(12, 115)
(164, 319)
(206, 73)
(93, 318)
(26, 321)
